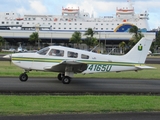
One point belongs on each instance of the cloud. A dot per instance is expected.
(30, 7)
(38, 7)
(22, 11)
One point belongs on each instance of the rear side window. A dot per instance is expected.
(83, 56)
(72, 54)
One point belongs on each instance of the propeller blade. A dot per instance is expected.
(9, 57)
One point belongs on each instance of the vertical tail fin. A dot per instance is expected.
(139, 52)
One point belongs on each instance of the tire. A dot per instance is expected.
(66, 80)
(59, 77)
(23, 77)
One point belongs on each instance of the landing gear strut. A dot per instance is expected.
(23, 77)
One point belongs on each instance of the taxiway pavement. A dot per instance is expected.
(108, 116)
(80, 86)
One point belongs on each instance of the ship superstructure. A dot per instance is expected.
(73, 19)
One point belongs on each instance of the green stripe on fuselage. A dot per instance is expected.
(36, 59)
(81, 61)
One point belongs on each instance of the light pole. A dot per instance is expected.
(105, 43)
(51, 34)
(37, 30)
(99, 42)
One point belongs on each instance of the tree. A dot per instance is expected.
(137, 35)
(134, 29)
(90, 41)
(1, 43)
(33, 38)
(76, 38)
(157, 42)
(89, 32)
(122, 45)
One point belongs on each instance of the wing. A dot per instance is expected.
(69, 66)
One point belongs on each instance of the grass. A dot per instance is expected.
(10, 70)
(45, 104)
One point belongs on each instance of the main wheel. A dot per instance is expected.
(66, 80)
(23, 77)
(59, 76)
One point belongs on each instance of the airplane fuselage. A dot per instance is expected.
(95, 62)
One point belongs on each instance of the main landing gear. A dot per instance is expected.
(63, 78)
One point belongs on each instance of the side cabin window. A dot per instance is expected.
(72, 54)
(43, 51)
(56, 52)
(83, 56)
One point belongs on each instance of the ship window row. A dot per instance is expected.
(105, 24)
(66, 28)
(81, 28)
(66, 23)
(53, 23)
(43, 23)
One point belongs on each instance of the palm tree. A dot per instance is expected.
(157, 42)
(76, 38)
(1, 43)
(134, 30)
(89, 32)
(90, 41)
(33, 38)
(122, 45)
(137, 35)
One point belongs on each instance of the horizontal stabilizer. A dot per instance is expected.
(145, 67)
(47, 67)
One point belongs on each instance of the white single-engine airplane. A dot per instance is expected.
(67, 61)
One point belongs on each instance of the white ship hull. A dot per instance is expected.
(73, 20)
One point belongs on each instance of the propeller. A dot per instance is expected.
(9, 57)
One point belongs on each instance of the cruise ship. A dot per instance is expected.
(73, 19)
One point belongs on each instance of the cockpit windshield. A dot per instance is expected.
(43, 51)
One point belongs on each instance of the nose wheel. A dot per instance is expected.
(23, 77)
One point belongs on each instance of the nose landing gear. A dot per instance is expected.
(23, 77)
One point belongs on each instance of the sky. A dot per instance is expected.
(96, 7)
